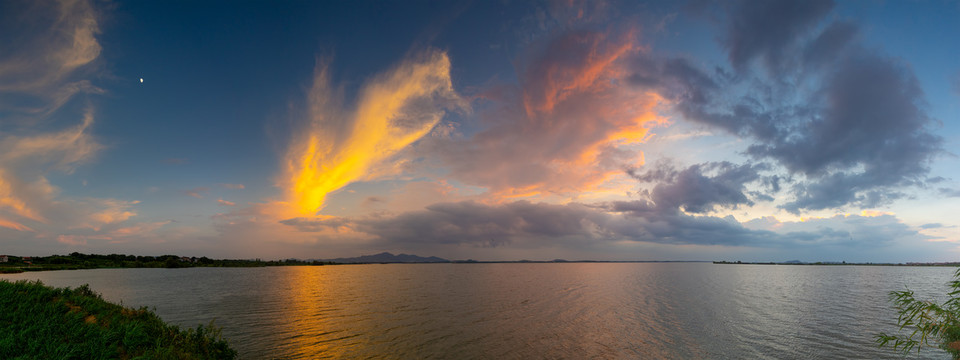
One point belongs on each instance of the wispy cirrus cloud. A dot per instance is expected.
(25, 161)
(45, 83)
(42, 71)
(35, 80)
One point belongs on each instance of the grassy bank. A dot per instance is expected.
(40, 322)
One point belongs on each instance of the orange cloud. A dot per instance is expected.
(10, 224)
(226, 203)
(109, 211)
(24, 191)
(12, 202)
(551, 81)
(340, 146)
(567, 128)
(63, 150)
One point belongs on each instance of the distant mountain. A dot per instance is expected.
(386, 257)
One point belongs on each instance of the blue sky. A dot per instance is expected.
(751, 130)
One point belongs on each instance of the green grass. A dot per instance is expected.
(40, 322)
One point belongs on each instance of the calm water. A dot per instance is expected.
(523, 311)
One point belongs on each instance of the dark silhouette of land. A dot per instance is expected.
(75, 261)
(386, 258)
(798, 262)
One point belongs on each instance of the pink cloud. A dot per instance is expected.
(565, 128)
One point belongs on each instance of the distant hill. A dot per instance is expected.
(386, 257)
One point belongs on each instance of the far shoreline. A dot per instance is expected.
(10, 264)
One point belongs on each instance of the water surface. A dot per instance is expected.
(523, 311)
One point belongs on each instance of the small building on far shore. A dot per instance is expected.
(4, 258)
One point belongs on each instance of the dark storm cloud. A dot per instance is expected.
(471, 223)
(839, 189)
(870, 116)
(528, 225)
(649, 222)
(866, 135)
(850, 121)
(676, 78)
(833, 40)
(525, 224)
(695, 191)
(484, 225)
(769, 29)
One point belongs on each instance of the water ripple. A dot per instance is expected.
(523, 311)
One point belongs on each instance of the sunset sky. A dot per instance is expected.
(490, 130)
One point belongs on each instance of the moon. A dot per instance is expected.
(141, 80)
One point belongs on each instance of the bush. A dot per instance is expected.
(927, 321)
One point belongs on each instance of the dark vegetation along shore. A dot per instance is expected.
(76, 261)
(797, 262)
(40, 322)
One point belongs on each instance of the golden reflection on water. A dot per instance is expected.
(306, 335)
(466, 311)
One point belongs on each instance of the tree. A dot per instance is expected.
(928, 321)
(171, 263)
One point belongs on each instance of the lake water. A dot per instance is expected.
(524, 311)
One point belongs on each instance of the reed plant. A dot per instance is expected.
(925, 323)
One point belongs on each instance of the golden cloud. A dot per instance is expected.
(338, 146)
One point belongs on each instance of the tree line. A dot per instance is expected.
(78, 260)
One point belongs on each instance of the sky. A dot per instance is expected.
(804, 130)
